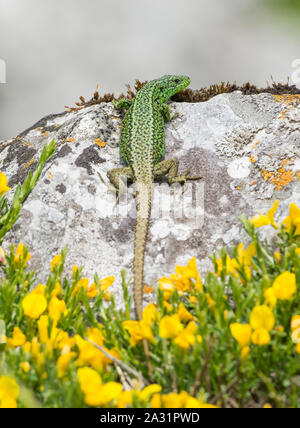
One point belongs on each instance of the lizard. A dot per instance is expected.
(142, 147)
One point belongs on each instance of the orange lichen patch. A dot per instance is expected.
(298, 176)
(49, 175)
(252, 159)
(115, 117)
(281, 178)
(45, 133)
(147, 289)
(253, 183)
(28, 163)
(238, 187)
(287, 99)
(255, 144)
(39, 129)
(99, 142)
(70, 140)
(26, 143)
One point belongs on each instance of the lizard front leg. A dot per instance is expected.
(166, 112)
(123, 103)
(170, 167)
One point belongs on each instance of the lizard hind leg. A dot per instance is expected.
(170, 167)
(115, 177)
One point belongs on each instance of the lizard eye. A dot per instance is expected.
(176, 80)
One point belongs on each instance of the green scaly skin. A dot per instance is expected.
(142, 146)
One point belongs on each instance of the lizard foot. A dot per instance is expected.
(111, 188)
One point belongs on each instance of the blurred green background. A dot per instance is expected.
(56, 51)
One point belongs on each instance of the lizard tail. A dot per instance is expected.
(144, 197)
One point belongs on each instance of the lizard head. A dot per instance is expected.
(169, 85)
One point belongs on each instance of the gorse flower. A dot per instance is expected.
(56, 308)
(3, 184)
(56, 261)
(241, 333)
(18, 338)
(19, 256)
(293, 220)
(96, 393)
(284, 286)
(170, 327)
(9, 392)
(262, 317)
(264, 220)
(35, 303)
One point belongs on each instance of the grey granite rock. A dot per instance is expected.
(245, 147)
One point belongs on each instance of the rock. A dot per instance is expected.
(245, 147)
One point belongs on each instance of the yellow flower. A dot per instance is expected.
(18, 338)
(293, 220)
(241, 333)
(174, 400)
(3, 184)
(270, 297)
(106, 282)
(92, 291)
(155, 402)
(184, 314)
(74, 270)
(295, 322)
(262, 317)
(170, 327)
(25, 366)
(125, 398)
(263, 220)
(96, 393)
(94, 334)
(260, 337)
(149, 390)
(56, 308)
(84, 283)
(9, 392)
(186, 337)
(138, 331)
(267, 406)
(43, 325)
(35, 303)
(193, 300)
(19, 256)
(150, 313)
(90, 355)
(284, 285)
(57, 291)
(295, 328)
(245, 351)
(210, 301)
(108, 392)
(277, 256)
(63, 363)
(89, 380)
(167, 286)
(192, 266)
(181, 283)
(56, 261)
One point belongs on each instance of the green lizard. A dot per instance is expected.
(142, 145)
